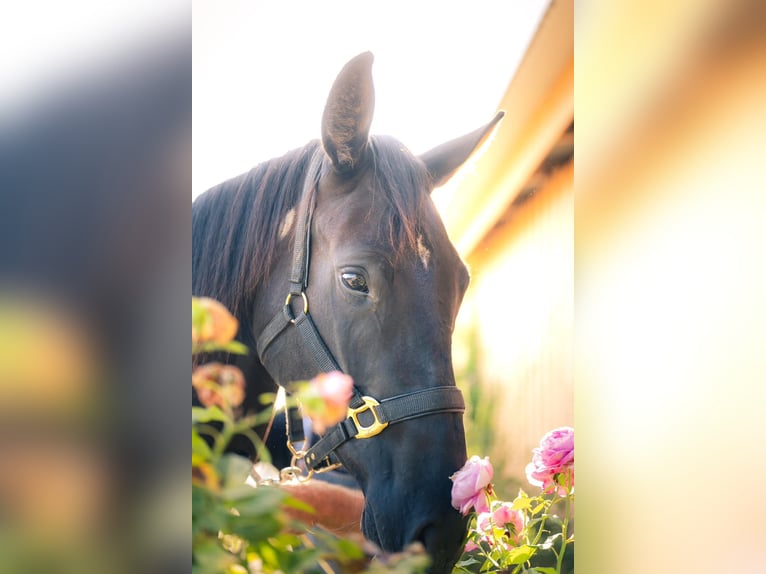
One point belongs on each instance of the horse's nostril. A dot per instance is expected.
(420, 535)
(442, 543)
(443, 540)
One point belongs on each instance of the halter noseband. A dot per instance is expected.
(378, 414)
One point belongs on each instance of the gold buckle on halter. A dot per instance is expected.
(367, 431)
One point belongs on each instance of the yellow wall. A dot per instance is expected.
(514, 338)
(519, 308)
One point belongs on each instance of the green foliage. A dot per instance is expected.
(235, 525)
(241, 529)
(538, 547)
(233, 347)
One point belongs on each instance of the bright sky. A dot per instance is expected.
(262, 71)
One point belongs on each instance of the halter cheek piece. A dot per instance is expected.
(367, 416)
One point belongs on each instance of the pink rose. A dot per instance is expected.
(469, 485)
(484, 528)
(555, 456)
(219, 384)
(325, 399)
(505, 516)
(335, 388)
(212, 322)
(484, 522)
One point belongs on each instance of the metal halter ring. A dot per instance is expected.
(289, 309)
(294, 473)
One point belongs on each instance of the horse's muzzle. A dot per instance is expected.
(443, 538)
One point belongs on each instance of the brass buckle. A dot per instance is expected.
(367, 431)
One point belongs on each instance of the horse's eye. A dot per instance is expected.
(355, 281)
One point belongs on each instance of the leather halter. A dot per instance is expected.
(378, 414)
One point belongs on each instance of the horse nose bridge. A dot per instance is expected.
(422, 354)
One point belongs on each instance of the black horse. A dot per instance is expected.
(334, 256)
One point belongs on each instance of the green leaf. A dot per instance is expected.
(207, 513)
(200, 314)
(210, 557)
(520, 554)
(349, 550)
(200, 448)
(233, 347)
(548, 543)
(268, 555)
(263, 500)
(299, 505)
(521, 503)
(235, 492)
(542, 570)
(208, 414)
(254, 528)
(234, 469)
(267, 398)
(534, 522)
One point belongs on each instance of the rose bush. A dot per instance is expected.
(238, 529)
(524, 535)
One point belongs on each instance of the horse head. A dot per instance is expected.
(383, 284)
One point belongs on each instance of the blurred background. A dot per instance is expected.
(95, 262)
(669, 285)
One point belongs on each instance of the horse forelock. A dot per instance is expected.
(405, 185)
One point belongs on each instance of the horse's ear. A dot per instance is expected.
(348, 114)
(443, 161)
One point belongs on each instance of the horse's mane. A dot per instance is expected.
(236, 224)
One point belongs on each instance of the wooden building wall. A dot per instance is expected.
(510, 213)
(515, 330)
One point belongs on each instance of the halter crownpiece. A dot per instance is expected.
(299, 278)
(367, 416)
